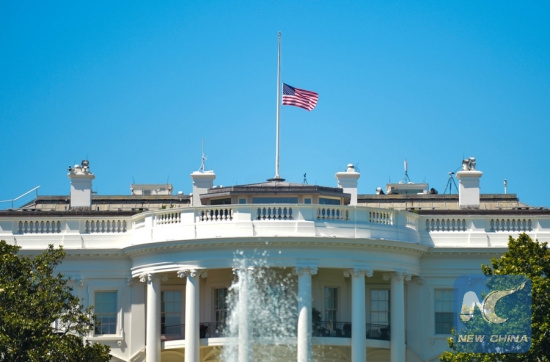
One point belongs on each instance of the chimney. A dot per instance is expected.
(468, 180)
(348, 181)
(81, 185)
(202, 181)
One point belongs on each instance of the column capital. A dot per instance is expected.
(397, 276)
(301, 270)
(201, 273)
(357, 272)
(146, 277)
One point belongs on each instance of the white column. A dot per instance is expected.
(358, 316)
(397, 306)
(304, 312)
(152, 339)
(192, 313)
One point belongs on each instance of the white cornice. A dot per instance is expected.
(264, 242)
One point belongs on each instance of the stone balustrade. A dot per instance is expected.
(105, 226)
(245, 221)
(39, 227)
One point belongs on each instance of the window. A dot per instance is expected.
(220, 305)
(274, 200)
(105, 309)
(242, 201)
(443, 311)
(325, 201)
(170, 313)
(331, 306)
(307, 201)
(380, 307)
(221, 202)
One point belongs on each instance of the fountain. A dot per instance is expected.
(262, 312)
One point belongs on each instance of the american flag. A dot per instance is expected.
(299, 97)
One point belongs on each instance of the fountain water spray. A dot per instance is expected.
(262, 311)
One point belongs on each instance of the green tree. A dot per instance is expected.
(530, 258)
(33, 299)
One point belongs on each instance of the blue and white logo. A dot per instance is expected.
(493, 313)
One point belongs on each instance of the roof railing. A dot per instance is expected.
(23, 197)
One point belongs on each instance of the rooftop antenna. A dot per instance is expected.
(203, 158)
(406, 178)
(450, 183)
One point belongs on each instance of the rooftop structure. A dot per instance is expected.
(166, 263)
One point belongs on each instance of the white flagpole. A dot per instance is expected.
(278, 110)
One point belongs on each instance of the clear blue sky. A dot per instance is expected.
(135, 86)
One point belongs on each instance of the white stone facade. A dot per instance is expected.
(361, 254)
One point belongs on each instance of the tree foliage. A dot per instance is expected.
(530, 258)
(40, 318)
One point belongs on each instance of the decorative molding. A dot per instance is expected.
(397, 275)
(192, 273)
(146, 277)
(369, 273)
(358, 272)
(301, 270)
(393, 246)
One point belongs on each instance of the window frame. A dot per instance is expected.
(182, 306)
(388, 305)
(215, 304)
(334, 311)
(106, 314)
(118, 335)
(447, 303)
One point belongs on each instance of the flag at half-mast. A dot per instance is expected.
(302, 98)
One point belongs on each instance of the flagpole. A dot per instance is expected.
(277, 177)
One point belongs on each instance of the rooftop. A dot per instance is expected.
(149, 197)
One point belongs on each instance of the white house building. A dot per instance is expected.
(373, 274)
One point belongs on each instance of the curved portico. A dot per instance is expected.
(353, 260)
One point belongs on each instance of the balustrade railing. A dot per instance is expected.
(514, 225)
(39, 227)
(274, 213)
(383, 223)
(168, 218)
(446, 224)
(378, 331)
(381, 217)
(216, 214)
(172, 332)
(331, 329)
(343, 329)
(332, 213)
(319, 329)
(105, 226)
